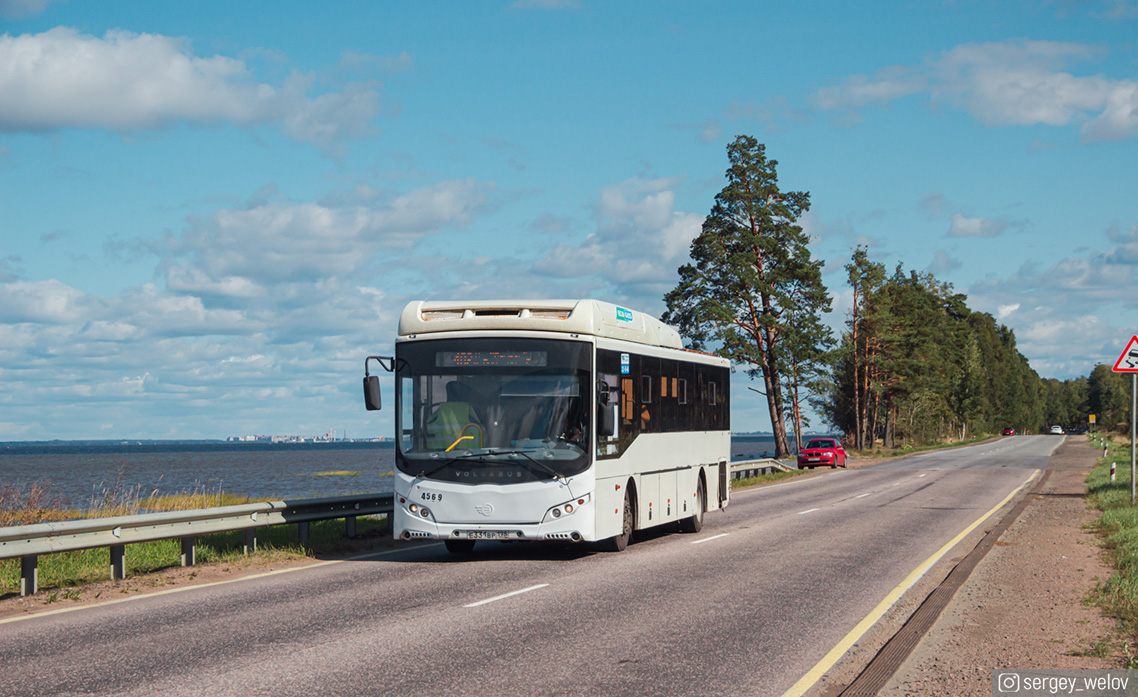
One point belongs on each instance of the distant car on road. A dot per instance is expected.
(822, 451)
(1056, 430)
(1009, 431)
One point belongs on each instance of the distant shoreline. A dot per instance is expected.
(126, 442)
(133, 445)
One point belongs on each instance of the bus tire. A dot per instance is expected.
(459, 546)
(618, 543)
(694, 523)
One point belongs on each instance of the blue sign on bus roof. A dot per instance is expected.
(623, 314)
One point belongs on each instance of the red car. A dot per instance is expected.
(826, 452)
(1009, 431)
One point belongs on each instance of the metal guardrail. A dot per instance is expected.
(28, 542)
(750, 468)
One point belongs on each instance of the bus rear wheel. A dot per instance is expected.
(459, 546)
(695, 522)
(619, 543)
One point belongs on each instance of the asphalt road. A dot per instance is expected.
(746, 607)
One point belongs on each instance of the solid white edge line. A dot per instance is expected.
(815, 674)
(507, 595)
(809, 510)
(709, 539)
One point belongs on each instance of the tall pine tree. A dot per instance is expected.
(751, 278)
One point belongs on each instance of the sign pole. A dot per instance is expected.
(1128, 363)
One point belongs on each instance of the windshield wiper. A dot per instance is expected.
(541, 465)
(546, 469)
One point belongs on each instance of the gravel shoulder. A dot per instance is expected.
(1022, 607)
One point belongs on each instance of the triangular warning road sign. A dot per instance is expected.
(1128, 361)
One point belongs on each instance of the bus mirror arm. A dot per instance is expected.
(371, 382)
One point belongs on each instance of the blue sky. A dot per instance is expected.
(211, 212)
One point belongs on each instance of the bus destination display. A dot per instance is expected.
(492, 359)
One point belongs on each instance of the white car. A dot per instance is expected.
(1056, 430)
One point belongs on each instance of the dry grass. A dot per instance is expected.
(29, 504)
(35, 502)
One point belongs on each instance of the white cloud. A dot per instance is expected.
(962, 226)
(932, 204)
(1118, 10)
(546, 4)
(1008, 83)
(273, 303)
(126, 82)
(1005, 311)
(15, 9)
(48, 302)
(236, 252)
(1085, 300)
(638, 246)
(710, 131)
(943, 262)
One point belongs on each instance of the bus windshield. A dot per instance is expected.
(493, 410)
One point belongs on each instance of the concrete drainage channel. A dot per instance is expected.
(873, 678)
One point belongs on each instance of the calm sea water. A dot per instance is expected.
(82, 473)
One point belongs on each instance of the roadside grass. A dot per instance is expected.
(67, 570)
(34, 503)
(906, 449)
(765, 478)
(1118, 527)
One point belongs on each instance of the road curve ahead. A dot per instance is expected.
(749, 606)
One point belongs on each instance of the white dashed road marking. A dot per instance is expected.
(507, 595)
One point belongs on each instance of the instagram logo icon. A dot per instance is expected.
(1007, 682)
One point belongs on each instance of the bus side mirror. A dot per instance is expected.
(606, 422)
(371, 382)
(371, 393)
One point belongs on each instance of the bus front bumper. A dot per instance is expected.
(572, 527)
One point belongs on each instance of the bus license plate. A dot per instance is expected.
(488, 535)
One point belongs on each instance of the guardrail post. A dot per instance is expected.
(350, 526)
(188, 551)
(250, 541)
(302, 531)
(29, 575)
(118, 562)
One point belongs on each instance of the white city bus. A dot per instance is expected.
(572, 420)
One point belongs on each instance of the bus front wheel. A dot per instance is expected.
(460, 546)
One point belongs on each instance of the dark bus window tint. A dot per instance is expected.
(646, 389)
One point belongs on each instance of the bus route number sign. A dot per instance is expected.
(625, 367)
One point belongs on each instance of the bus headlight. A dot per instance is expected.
(418, 510)
(567, 508)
